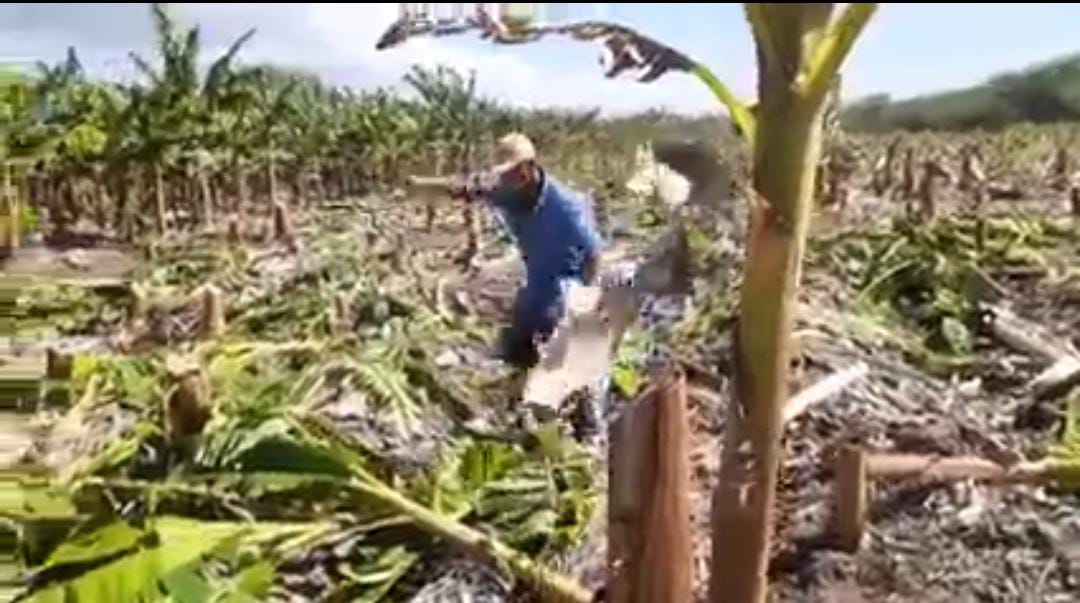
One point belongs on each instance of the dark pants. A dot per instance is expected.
(537, 311)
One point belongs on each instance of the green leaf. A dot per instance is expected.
(830, 51)
(24, 498)
(186, 586)
(741, 114)
(377, 576)
(114, 455)
(627, 380)
(83, 366)
(168, 548)
(956, 335)
(539, 524)
(256, 579)
(106, 541)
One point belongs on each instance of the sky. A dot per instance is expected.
(908, 49)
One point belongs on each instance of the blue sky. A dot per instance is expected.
(908, 49)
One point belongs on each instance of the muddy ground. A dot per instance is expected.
(957, 542)
(960, 542)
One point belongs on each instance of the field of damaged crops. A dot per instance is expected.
(290, 411)
(244, 360)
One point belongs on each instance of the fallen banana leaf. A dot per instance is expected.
(551, 585)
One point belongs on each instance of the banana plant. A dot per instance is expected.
(391, 129)
(20, 137)
(800, 49)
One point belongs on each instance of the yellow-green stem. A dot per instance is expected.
(787, 147)
(552, 586)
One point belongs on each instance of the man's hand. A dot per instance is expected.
(465, 188)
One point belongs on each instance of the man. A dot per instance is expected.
(553, 228)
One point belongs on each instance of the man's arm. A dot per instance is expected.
(587, 240)
(470, 190)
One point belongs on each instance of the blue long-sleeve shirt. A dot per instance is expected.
(554, 238)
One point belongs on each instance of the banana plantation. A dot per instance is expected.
(245, 357)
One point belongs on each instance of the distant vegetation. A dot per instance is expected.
(1044, 93)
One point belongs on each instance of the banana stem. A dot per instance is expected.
(553, 586)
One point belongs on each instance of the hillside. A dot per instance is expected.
(1042, 93)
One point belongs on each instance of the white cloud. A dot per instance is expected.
(501, 72)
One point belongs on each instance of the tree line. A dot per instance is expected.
(184, 145)
(1044, 93)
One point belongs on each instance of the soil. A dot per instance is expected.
(959, 542)
(956, 542)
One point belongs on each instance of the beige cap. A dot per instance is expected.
(511, 150)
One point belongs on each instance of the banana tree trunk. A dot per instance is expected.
(11, 213)
(217, 200)
(67, 206)
(242, 194)
(300, 185)
(792, 84)
(159, 197)
(207, 196)
(341, 176)
(907, 183)
(121, 215)
(271, 176)
(320, 186)
(890, 162)
(430, 210)
(102, 203)
(346, 179)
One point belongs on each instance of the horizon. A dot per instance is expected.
(907, 52)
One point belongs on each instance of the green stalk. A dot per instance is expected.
(740, 113)
(551, 585)
(787, 146)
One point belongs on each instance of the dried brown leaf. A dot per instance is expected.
(628, 50)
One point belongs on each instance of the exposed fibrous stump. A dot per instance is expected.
(430, 209)
(342, 318)
(283, 232)
(212, 318)
(850, 495)
(838, 169)
(973, 180)
(399, 258)
(884, 170)
(232, 232)
(58, 363)
(472, 233)
(1061, 169)
(907, 177)
(856, 469)
(1074, 194)
(932, 172)
(650, 553)
(972, 175)
(188, 405)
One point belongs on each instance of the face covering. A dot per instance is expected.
(506, 195)
(513, 199)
